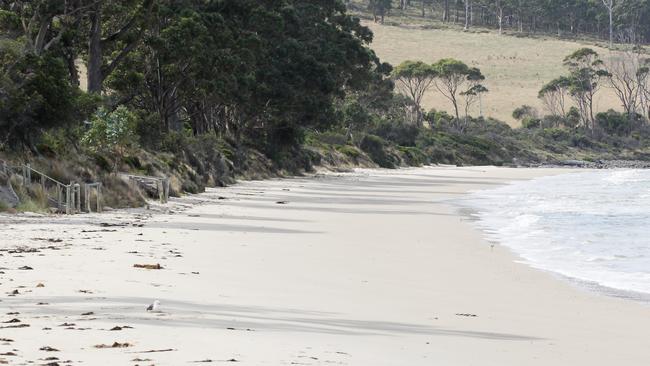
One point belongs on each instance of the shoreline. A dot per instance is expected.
(472, 213)
(375, 267)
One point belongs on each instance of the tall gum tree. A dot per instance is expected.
(115, 34)
(414, 78)
(451, 77)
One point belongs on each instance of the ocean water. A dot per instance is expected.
(593, 227)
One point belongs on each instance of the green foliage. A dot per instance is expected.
(111, 131)
(350, 151)
(616, 123)
(375, 147)
(555, 85)
(400, 133)
(32, 199)
(35, 95)
(331, 138)
(414, 70)
(452, 77)
(557, 134)
(451, 68)
(355, 116)
(413, 156)
(531, 122)
(101, 162)
(438, 119)
(523, 112)
(572, 117)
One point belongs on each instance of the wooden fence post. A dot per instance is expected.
(87, 197)
(166, 189)
(77, 191)
(67, 200)
(99, 197)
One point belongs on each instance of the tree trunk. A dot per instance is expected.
(455, 103)
(500, 16)
(39, 43)
(611, 27)
(72, 70)
(471, 14)
(95, 77)
(466, 14)
(445, 11)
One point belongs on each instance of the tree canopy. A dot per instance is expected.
(262, 71)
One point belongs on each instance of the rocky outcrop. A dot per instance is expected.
(605, 164)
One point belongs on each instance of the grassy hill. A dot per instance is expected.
(515, 67)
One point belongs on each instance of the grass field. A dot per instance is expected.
(515, 67)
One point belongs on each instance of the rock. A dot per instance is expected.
(7, 195)
(580, 163)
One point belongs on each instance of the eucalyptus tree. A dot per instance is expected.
(115, 30)
(475, 91)
(452, 76)
(627, 74)
(36, 90)
(586, 72)
(554, 96)
(414, 78)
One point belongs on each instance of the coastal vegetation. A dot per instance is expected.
(206, 92)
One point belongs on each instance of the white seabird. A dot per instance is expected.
(154, 307)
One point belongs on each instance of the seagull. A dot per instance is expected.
(154, 307)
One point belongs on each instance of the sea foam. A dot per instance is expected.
(591, 226)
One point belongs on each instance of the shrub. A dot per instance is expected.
(615, 123)
(438, 119)
(101, 162)
(524, 111)
(32, 199)
(556, 134)
(375, 147)
(572, 119)
(331, 138)
(552, 121)
(413, 156)
(531, 123)
(35, 95)
(350, 151)
(399, 133)
(111, 132)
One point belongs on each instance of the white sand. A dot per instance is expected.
(365, 269)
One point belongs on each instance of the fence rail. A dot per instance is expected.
(65, 197)
(158, 184)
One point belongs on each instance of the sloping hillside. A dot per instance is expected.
(515, 67)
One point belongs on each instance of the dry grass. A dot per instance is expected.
(515, 67)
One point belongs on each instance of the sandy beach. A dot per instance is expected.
(369, 268)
